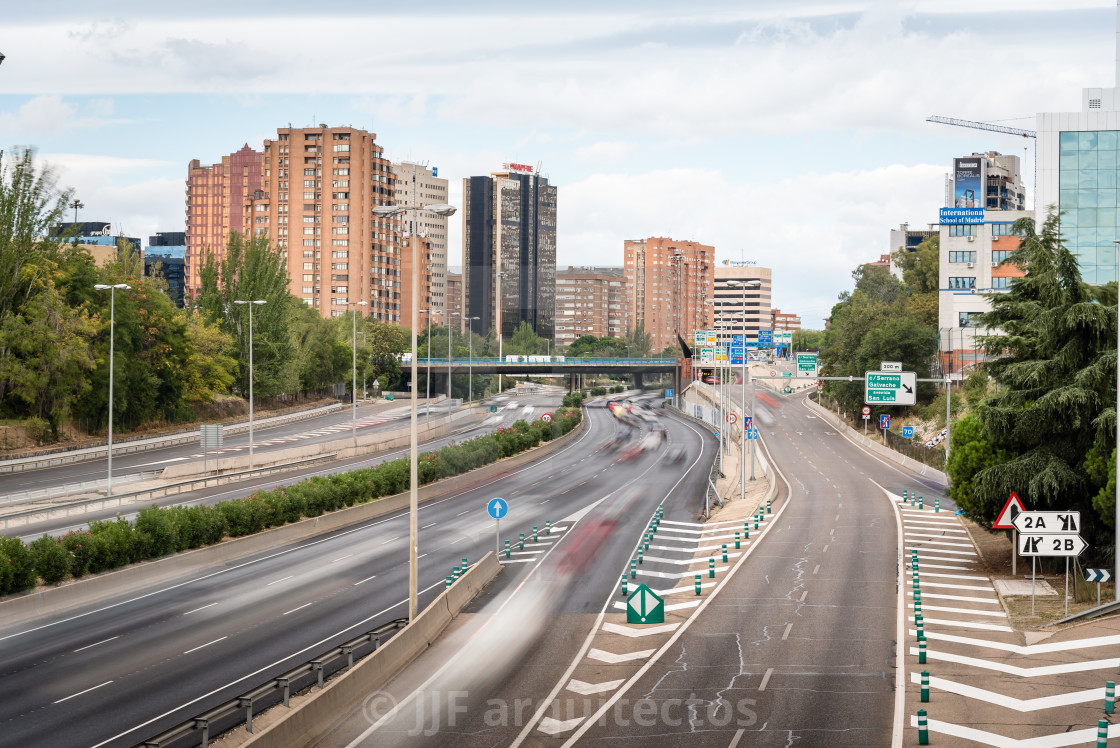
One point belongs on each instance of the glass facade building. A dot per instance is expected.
(1087, 199)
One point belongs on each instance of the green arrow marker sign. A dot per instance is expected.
(644, 606)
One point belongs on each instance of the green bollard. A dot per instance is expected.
(464, 564)
(736, 540)
(923, 729)
(921, 651)
(747, 528)
(639, 555)
(936, 504)
(1102, 733)
(725, 553)
(633, 568)
(455, 572)
(711, 568)
(548, 527)
(507, 549)
(648, 537)
(904, 496)
(697, 584)
(756, 523)
(521, 542)
(534, 533)
(448, 582)
(921, 505)
(1109, 697)
(624, 585)
(746, 534)
(925, 686)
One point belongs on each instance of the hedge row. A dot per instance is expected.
(158, 531)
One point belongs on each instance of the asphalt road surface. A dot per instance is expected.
(147, 658)
(798, 647)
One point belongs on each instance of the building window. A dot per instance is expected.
(341, 147)
(1002, 229)
(968, 319)
(999, 283)
(1000, 255)
(962, 283)
(962, 256)
(958, 229)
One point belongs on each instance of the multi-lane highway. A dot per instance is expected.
(798, 646)
(510, 409)
(147, 658)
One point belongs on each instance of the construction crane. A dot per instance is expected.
(982, 126)
(991, 128)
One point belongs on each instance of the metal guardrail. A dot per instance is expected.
(178, 488)
(142, 444)
(423, 361)
(69, 489)
(296, 678)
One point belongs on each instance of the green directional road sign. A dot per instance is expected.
(807, 365)
(890, 389)
(644, 606)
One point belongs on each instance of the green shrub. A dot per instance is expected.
(80, 550)
(16, 557)
(596, 391)
(51, 560)
(160, 528)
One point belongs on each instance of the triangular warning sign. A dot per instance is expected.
(1010, 510)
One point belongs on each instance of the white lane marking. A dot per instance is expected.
(1030, 649)
(460, 514)
(586, 689)
(1010, 702)
(79, 693)
(390, 540)
(545, 501)
(959, 598)
(675, 606)
(940, 585)
(517, 560)
(425, 527)
(204, 607)
(735, 740)
(673, 574)
(982, 737)
(968, 625)
(816, 568)
(365, 580)
(825, 549)
(614, 628)
(966, 611)
(278, 581)
(924, 551)
(803, 594)
(614, 659)
(765, 679)
(550, 726)
(293, 610)
(348, 555)
(785, 634)
(924, 574)
(207, 644)
(111, 638)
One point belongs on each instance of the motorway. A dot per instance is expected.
(145, 659)
(510, 410)
(797, 645)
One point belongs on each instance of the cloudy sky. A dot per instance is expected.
(789, 132)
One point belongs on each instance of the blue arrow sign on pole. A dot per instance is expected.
(1098, 575)
(497, 508)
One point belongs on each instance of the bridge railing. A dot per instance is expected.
(567, 360)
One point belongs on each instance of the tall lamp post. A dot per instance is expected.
(388, 211)
(354, 384)
(450, 335)
(251, 304)
(112, 289)
(755, 284)
(428, 376)
(470, 360)
(719, 386)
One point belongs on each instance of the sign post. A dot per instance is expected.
(866, 418)
(1098, 576)
(1004, 521)
(497, 508)
(1049, 534)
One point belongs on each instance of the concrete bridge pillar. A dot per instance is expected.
(637, 380)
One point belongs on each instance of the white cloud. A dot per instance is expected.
(605, 150)
(812, 229)
(49, 114)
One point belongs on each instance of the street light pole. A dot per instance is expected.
(251, 304)
(450, 336)
(386, 211)
(112, 289)
(428, 375)
(354, 384)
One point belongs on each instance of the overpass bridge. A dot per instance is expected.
(572, 367)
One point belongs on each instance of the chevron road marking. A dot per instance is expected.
(696, 532)
(940, 550)
(919, 525)
(703, 559)
(965, 611)
(697, 549)
(550, 726)
(614, 628)
(673, 574)
(941, 585)
(1027, 649)
(944, 541)
(614, 659)
(675, 606)
(1022, 672)
(960, 598)
(952, 576)
(706, 524)
(968, 625)
(690, 588)
(516, 560)
(586, 689)
(1077, 737)
(1009, 702)
(945, 568)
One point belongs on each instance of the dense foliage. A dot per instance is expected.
(1047, 433)
(159, 531)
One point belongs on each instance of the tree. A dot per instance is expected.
(639, 342)
(209, 369)
(971, 453)
(31, 208)
(877, 282)
(386, 344)
(1055, 364)
(253, 269)
(526, 342)
(920, 268)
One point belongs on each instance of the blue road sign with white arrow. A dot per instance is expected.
(1098, 575)
(497, 508)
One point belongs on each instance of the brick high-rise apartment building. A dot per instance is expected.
(216, 198)
(589, 301)
(318, 188)
(417, 184)
(425, 282)
(667, 282)
(454, 297)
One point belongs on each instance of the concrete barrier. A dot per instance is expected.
(344, 696)
(96, 588)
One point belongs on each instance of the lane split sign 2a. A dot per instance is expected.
(644, 606)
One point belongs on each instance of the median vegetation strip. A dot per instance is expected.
(159, 531)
